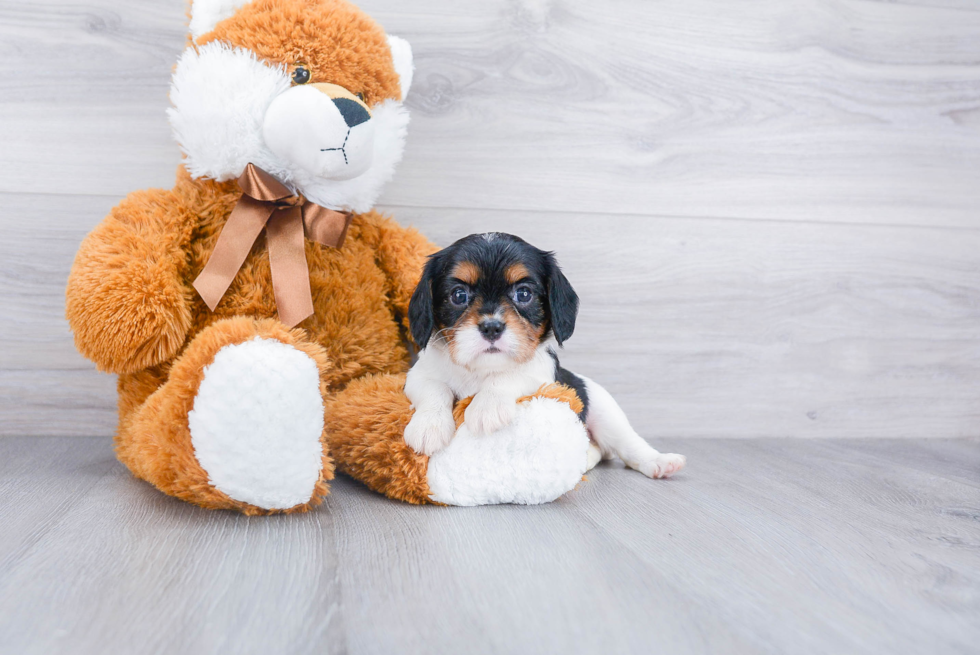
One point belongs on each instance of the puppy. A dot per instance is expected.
(487, 314)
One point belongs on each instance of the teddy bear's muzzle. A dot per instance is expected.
(322, 128)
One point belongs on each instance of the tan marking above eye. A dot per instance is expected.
(515, 273)
(467, 272)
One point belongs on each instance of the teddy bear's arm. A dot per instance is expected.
(126, 298)
(401, 255)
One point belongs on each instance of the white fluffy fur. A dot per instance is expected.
(498, 380)
(616, 437)
(536, 459)
(401, 54)
(257, 421)
(220, 95)
(205, 14)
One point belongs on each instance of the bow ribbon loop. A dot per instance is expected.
(266, 204)
(291, 201)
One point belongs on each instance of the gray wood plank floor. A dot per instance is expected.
(761, 546)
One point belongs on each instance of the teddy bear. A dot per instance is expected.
(256, 313)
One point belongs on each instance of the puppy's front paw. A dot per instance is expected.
(661, 465)
(430, 431)
(489, 413)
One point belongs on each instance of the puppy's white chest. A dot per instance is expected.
(521, 380)
(464, 383)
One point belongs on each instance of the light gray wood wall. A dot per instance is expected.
(771, 209)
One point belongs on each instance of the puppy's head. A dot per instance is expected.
(493, 299)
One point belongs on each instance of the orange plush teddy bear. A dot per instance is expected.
(256, 312)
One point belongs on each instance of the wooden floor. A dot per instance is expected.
(762, 546)
(771, 212)
(772, 215)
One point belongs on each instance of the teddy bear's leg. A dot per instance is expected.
(365, 426)
(238, 424)
(540, 457)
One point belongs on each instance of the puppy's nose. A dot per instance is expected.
(491, 328)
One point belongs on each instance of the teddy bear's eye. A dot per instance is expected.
(360, 96)
(301, 74)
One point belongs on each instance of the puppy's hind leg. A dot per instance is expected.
(612, 431)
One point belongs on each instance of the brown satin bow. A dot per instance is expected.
(265, 203)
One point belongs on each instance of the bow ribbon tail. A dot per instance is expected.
(327, 227)
(287, 259)
(243, 227)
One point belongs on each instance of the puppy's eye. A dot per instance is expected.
(459, 297)
(523, 295)
(301, 74)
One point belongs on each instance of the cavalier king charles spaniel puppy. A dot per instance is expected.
(487, 315)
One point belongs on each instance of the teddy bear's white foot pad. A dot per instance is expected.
(537, 458)
(257, 421)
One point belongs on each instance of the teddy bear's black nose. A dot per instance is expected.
(353, 112)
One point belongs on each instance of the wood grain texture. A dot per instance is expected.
(698, 327)
(809, 110)
(84, 95)
(108, 565)
(642, 142)
(760, 546)
(848, 111)
(742, 328)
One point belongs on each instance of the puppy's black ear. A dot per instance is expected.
(421, 314)
(562, 302)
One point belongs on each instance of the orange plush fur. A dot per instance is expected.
(374, 412)
(339, 43)
(133, 310)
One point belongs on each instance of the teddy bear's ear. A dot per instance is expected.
(401, 53)
(205, 14)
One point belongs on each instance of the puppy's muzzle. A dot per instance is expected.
(491, 328)
(323, 128)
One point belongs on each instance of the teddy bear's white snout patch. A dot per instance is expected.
(330, 138)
